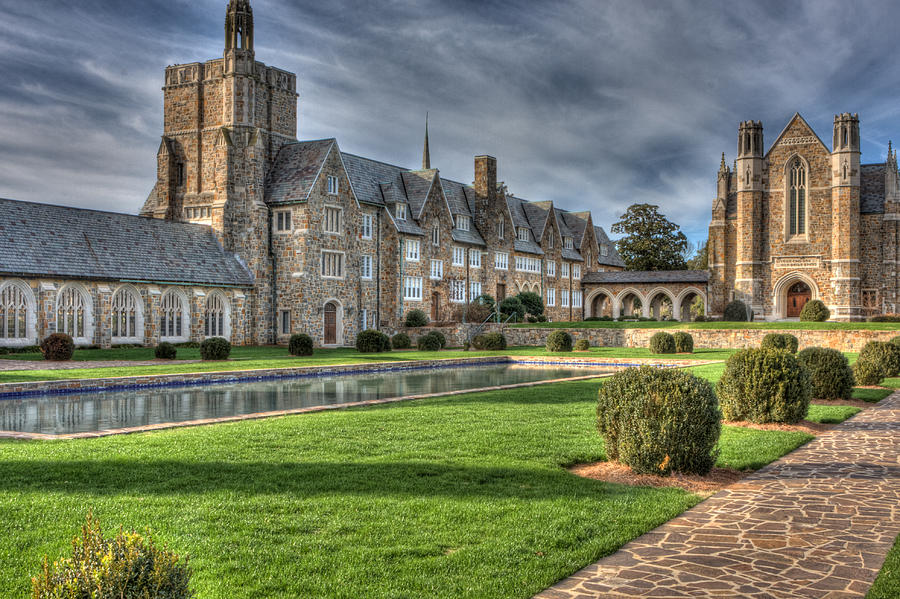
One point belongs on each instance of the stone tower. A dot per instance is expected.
(891, 233)
(845, 173)
(717, 243)
(224, 122)
(749, 173)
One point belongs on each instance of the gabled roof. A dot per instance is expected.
(612, 258)
(367, 175)
(296, 170)
(648, 276)
(796, 117)
(74, 243)
(538, 214)
(577, 223)
(871, 188)
(457, 200)
(418, 185)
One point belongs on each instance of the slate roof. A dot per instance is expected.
(366, 177)
(871, 188)
(417, 185)
(470, 236)
(537, 214)
(571, 255)
(296, 169)
(528, 247)
(576, 224)
(648, 276)
(456, 194)
(613, 258)
(58, 241)
(517, 211)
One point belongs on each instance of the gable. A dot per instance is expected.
(798, 137)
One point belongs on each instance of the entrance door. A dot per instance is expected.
(797, 296)
(435, 307)
(330, 324)
(501, 292)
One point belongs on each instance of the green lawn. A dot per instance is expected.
(887, 585)
(450, 497)
(871, 395)
(785, 325)
(830, 414)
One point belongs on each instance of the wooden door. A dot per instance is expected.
(797, 296)
(501, 292)
(435, 307)
(330, 324)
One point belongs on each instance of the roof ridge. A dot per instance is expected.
(97, 211)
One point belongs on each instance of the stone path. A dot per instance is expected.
(817, 523)
(10, 365)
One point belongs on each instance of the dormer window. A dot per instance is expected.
(568, 243)
(333, 185)
(401, 211)
(463, 222)
(604, 250)
(523, 234)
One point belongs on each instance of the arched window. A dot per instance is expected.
(797, 203)
(174, 321)
(17, 319)
(127, 315)
(217, 316)
(73, 313)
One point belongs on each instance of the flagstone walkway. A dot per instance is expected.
(818, 523)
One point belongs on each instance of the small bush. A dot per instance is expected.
(780, 341)
(512, 306)
(165, 351)
(533, 303)
(429, 342)
(764, 385)
(58, 347)
(886, 318)
(815, 311)
(215, 348)
(659, 421)
(736, 311)
(582, 345)
(440, 337)
(489, 341)
(662, 343)
(401, 341)
(416, 318)
(684, 343)
(895, 340)
(829, 373)
(559, 341)
(868, 373)
(877, 360)
(189, 344)
(371, 341)
(128, 565)
(300, 345)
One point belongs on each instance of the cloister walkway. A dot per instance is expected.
(817, 523)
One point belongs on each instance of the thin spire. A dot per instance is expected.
(722, 166)
(426, 153)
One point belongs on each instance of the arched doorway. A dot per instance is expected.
(631, 305)
(602, 305)
(797, 295)
(331, 324)
(661, 305)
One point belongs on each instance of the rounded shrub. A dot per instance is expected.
(895, 340)
(165, 351)
(764, 385)
(815, 311)
(440, 337)
(215, 348)
(662, 343)
(401, 341)
(532, 302)
(416, 318)
(495, 341)
(659, 421)
(371, 341)
(559, 341)
(512, 306)
(127, 565)
(300, 345)
(736, 311)
(829, 372)
(684, 343)
(582, 345)
(780, 341)
(878, 359)
(868, 373)
(429, 342)
(58, 347)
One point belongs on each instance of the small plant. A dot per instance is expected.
(885, 318)
(58, 347)
(684, 343)
(429, 342)
(416, 318)
(215, 348)
(895, 340)
(877, 360)
(512, 306)
(737, 311)
(440, 337)
(868, 373)
(659, 421)
(829, 372)
(582, 345)
(127, 565)
(189, 344)
(559, 341)
(165, 351)
(662, 343)
(372, 342)
(764, 385)
(780, 341)
(489, 341)
(532, 302)
(300, 345)
(815, 311)
(401, 341)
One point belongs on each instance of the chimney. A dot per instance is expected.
(485, 179)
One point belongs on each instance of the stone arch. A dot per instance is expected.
(623, 295)
(74, 313)
(127, 315)
(217, 315)
(654, 308)
(682, 310)
(18, 314)
(779, 291)
(174, 316)
(604, 295)
(338, 308)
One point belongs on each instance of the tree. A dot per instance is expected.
(651, 241)
(532, 302)
(699, 259)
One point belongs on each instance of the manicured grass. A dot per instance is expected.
(450, 497)
(255, 358)
(887, 585)
(830, 414)
(787, 325)
(871, 395)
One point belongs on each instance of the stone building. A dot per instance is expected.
(800, 221)
(253, 235)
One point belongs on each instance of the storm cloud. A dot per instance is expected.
(591, 104)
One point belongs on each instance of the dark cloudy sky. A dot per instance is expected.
(589, 103)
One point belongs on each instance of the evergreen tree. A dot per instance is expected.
(651, 241)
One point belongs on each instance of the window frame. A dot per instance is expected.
(460, 251)
(463, 222)
(474, 259)
(551, 268)
(796, 209)
(522, 234)
(368, 222)
(278, 221)
(501, 260)
(551, 297)
(332, 209)
(439, 269)
(366, 270)
(401, 211)
(181, 303)
(418, 285)
(333, 185)
(411, 256)
(342, 264)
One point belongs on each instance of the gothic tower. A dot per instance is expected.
(845, 181)
(891, 234)
(749, 173)
(717, 244)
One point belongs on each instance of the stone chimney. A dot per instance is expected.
(485, 184)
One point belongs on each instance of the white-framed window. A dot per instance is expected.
(551, 268)
(367, 221)
(604, 250)
(551, 241)
(174, 318)
(364, 319)
(576, 298)
(459, 256)
(524, 264)
(501, 261)
(333, 185)
(457, 291)
(474, 259)
(216, 321)
(463, 222)
(565, 270)
(17, 314)
(332, 220)
(568, 243)
(366, 268)
(284, 322)
(127, 316)
(198, 212)
(437, 269)
(412, 289)
(412, 250)
(523, 234)
(400, 211)
(436, 236)
(333, 265)
(564, 296)
(474, 290)
(73, 313)
(551, 296)
(501, 229)
(282, 221)
(576, 274)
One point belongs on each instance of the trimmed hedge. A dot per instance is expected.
(429, 342)
(532, 302)
(401, 341)
(489, 341)
(868, 373)
(58, 347)
(165, 351)
(300, 345)
(416, 318)
(814, 311)
(582, 345)
(764, 385)
(559, 341)
(684, 343)
(214, 349)
(659, 421)
(895, 340)
(440, 337)
(513, 306)
(736, 311)
(780, 341)
(829, 372)
(877, 361)
(371, 341)
(662, 343)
